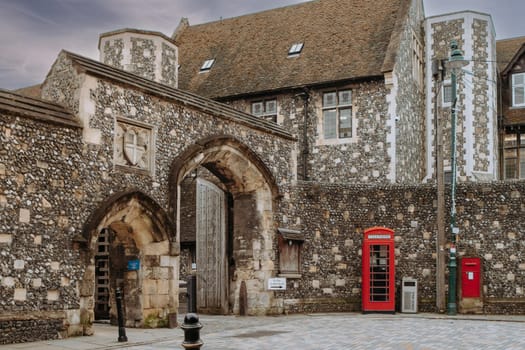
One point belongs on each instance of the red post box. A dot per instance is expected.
(378, 275)
(470, 277)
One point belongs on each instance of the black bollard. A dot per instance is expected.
(192, 293)
(121, 330)
(192, 330)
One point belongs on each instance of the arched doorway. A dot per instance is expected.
(130, 246)
(237, 245)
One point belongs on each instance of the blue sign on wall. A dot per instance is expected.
(133, 265)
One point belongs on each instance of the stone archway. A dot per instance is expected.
(253, 190)
(141, 260)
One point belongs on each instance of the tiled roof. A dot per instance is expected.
(34, 91)
(343, 40)
(220, 110)
(506, 50)
(36, 108)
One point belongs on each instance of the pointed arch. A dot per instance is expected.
(163, 228)
(202, 149)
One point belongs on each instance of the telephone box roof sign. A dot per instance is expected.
(379, 233)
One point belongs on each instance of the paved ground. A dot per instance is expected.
(316, 332)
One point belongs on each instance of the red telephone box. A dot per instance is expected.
(470, 277)
(378, 276)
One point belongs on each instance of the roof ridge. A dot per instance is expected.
(522, 37)
(303, 3)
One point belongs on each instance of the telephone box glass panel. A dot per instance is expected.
(379, 273)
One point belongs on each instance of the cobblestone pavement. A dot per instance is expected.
(316, 332)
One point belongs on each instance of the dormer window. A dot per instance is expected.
(295, 49)
(206, 66)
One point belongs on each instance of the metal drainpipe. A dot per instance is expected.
(441, 238)
(306, 97)
(501, 128)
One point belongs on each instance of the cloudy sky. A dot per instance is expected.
(32, 32)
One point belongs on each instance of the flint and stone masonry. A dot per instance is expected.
(103, 172)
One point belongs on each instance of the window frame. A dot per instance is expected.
(207, 64)
(446, 85)
(337, 108)
(417, 60)
(295, 49)
(517, 147)
(270, 116)
(514, 86)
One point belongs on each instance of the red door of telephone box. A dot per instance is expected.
(470, 277)
(378, 275)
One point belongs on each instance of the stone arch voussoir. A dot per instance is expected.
(162, 224)
(185, 162)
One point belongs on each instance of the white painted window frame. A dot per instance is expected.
(264, 104)
(515, 86)
(337, 140)
(445, 103)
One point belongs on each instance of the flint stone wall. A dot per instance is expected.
(334, 216)
(41, 191)
(364, 159)
(409, 129)
(21, 331)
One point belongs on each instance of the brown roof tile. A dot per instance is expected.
(343, 40)
(506, 50)
(34, 91)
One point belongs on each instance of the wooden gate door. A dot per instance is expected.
(211, 249)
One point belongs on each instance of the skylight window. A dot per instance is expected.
(207, 65)
(295, 49)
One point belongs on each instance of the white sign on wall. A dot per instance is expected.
(277, 283)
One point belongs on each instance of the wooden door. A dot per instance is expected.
(211, 249)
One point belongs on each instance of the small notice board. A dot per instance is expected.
(133, 265)
(277, 283)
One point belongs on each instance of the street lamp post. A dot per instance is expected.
(455, 63)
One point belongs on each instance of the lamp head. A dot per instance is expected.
(456, 60)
